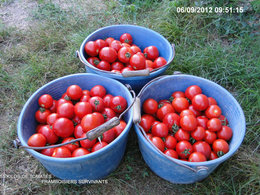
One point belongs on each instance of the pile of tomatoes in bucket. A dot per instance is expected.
(189, 126)
(122, 55)
(72, 116)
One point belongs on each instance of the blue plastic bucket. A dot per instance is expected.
(177, 171)
(142, 37)
(94, 165)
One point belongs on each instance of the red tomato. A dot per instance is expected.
(162, 102)
(158, 142)
(126, 69)
(76, 120)
(109, 136)
(213, 111)
(186, 112)
(108, 54)
(80, 152)
(137, 62)
(159, 62)
(38, 127)
(172, 120)
(54, 106)
(210, 136)
(213, 156)
(182, 135)
(203, 147)
(72, 146)
(124, 54)
(107, 99)
(146, 122)
(74, 92)
(108, 114)
(225, 133)
(52, 118)
(149, 64)
(200, 102)
(91, 48)
(180, 104)
(202, 121)
(91, 121)
(78, 131)
(98, 90)
(196, 112)
(117, 66)
(165, 109)
(135, 49)
(118, 104)
(93, 61)
(192, 90)
(223, 120)
(63, 127)
(84, 98)
(97, 104)
(62, 101)
(198, 134)
(214, 124)
(37, 140)
(98, 146)
(120, 128)
(150, 136)
(197, 157)
(86, 143)
(177, 94)
(48, 152)
(150, 106)
(184, 149)
(151, 52)
(49, 134)
(170, 142)
(45, 101)
(104, 65)
(220, 147)
(117, 45)
(82, 108)
(212, 101)
(101, 43)
(61, 152)
(160, 130)
(126, 38)
(188, 123)
(172, 153)
(126, 45)
(66, 110)
(109, 40)
(85, 92)
(41, 115)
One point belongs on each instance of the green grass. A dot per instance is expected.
(223, 48)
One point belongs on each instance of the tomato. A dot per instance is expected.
(41, 115)
(124, 54)
(158, 142)
(48, 152)
(160, 130)
(126, 45)
(150, 136)
(109, 136)
(196, 112)
(202, 121)
(98, 146)
(188, 123)
(51, 137)
(66, 110)
(78, 131)
(108, 114)
(101, 43)
(91, 121)
(198, 134)
(108, 54)
(72, 146)
(107, 99)
(91, 48)
(126, 69)
(213, 156)
(223, 120)
(172, 120)
(172, 153)
(159, 62)
(184, 149)
(117, 66)
(97, 104)
(213, 111)
(180, 104)
(165, 109)
(120, 128)
(210, 136)
(54, 106)
(135, 49)
(177, 94)
(104, 65)
(52, 118)
(149, 64)
(146, 122)
(203, 147)
(117, 45)
(197, 157)
(39, 127)
(192, 90)
(74, 92)
(150, 106)
(98, 90)
(225, 133)
(45, 101)
(80, 152)
(186, 112)
(200, 102)
(63, 127)
(137, 62)
(126, 38)
(85, 92)
(37, 140)
(220, 147)
(182, 135)
(162, 102)
(76, 120)
(214, 124)
(151, 52)
(61, 152)
(86, 143)
(62, 101)
(82, 108)
(84, 98)
(170, 142)
(212, 101)
(118, 104)
(93, 61)
(109, 40)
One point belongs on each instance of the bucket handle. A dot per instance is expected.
(92, 134)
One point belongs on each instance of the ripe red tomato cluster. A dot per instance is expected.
(189, 126)
(122, 55)
(72, 116)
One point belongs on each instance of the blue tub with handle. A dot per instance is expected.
(94, 165)
(142, 37)
(182, 172)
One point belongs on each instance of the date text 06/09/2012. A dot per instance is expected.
(219, 10)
